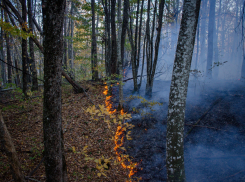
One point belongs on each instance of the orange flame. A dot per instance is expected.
(119, 137)
(108, 102)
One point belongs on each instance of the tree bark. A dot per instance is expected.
(211, 24)
(53, 17)
(24, 52)
(9, 60)
(31, 47)
(8, 147)
(113, 39)
(3, 73)
(119, 57)
(65, 41)
(178, 92)
(94, 46)
(152, 62)
(124, 27)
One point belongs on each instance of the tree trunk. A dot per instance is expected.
(178, 92)
(124, 27)
(113, 39)
(70, 45)
(3, 73)
(24, 52)
(119, 57)
(107, 39)
(152, 63)
(9, 60)
(31, 47)
(8, 147)
(53, 17)
(94, 46)
(65, 41)
(211, 24)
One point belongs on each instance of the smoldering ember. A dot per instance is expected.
(142, 90)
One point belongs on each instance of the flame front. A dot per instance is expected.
(119, 138)
(108, 102)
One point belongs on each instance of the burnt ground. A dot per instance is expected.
(214, 147)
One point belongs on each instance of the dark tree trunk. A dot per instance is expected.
(107, 38)
(17, 72)
(3, 73)
(65, 41)
(31, 47)
(211, 24)
(53, 16)
(94, 46)
(178, 92)
(70, 45)
(9, 60)
(124, 27)
(152, 62)
(113, 39)
(24, 52)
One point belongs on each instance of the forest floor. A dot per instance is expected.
(88, 140)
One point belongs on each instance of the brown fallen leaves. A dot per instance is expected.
(86, 137)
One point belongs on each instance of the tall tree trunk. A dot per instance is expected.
(31, 47)
(178, 92)
(216, 43)
(70, 46)
(94, 46)
(107, 38)
(203, 30)
(113, 39)
(211, 24)
(124, 27)
(243, 41)
(152, 62)
(119, 57)
(3, 73)
(65, 41)
(24, 52)
(8, 47)
(53, 17)
(133, 56)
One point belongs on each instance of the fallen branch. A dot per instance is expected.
(34, 170)
(9, 149)
(209, 109)
(223, 157)
(234, 174)
(204, 127)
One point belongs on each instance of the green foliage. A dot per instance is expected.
(145, 103)
(14, 30)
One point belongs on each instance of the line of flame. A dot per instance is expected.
(119, 137)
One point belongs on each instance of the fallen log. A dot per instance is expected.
(9, 150)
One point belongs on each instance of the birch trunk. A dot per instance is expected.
(178, 91)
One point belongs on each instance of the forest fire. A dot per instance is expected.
(119, 138)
